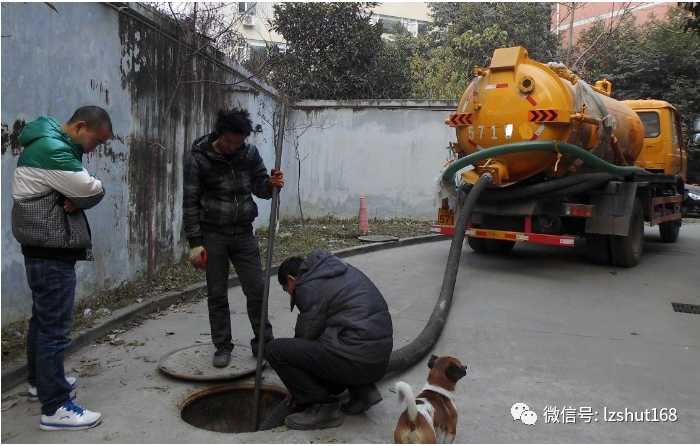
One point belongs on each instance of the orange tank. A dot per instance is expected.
(519, 99)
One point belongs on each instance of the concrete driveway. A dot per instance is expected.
(572, 340)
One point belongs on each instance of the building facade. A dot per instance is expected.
(254, 23)
(581, 16)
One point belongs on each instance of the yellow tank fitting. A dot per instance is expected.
(526, 84)
(580, 117)
(564, 72)
(603, 86)
(478, 71)
(498, 171)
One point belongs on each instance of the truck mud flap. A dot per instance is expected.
(612, 209)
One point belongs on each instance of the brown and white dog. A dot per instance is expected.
(432, 416)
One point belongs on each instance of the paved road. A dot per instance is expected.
(540, 326)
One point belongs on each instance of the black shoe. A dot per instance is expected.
(277, 415)
(221, 358)
(316, 416)
(254, 345)
(361, 400)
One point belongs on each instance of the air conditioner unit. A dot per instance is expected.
(248, 20)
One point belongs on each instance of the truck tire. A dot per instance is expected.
(669, 231)
(478, 245)
(598, 248)
(488, 246)
(626, 251)
(499, 246)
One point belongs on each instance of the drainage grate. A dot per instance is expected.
(685, 308)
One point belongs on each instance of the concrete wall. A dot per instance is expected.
(129, 63)
(391, 151)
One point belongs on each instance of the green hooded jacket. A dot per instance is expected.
(48, 172)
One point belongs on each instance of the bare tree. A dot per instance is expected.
(300, 159)
(576, 57)
(617, 16)
(202, 25)
(570, 9)
(300, 155)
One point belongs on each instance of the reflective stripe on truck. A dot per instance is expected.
(530, 237)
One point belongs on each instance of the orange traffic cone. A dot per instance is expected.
(364, 224)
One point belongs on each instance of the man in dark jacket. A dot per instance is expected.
(343, 340)
(50, 191)
(221, 175)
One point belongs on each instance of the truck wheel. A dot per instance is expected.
(626, 251)
(499, 246)
(478, 245)
(669, 231)
(598, 248)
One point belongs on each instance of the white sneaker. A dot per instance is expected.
(70, 416)
(34, 396)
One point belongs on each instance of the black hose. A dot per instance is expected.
(550, 188)
(577, 188)
(417, 349)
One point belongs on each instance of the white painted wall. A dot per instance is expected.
(391, 151)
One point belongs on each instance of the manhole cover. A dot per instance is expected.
(229, 408)
(685, 308)
(194, 363)
(378, 238)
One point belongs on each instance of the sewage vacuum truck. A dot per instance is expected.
(569, 165)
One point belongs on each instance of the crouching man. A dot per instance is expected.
(343, 340)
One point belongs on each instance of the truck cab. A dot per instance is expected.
(663, 150)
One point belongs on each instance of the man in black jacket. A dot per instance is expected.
(343, 340)
(220, 177)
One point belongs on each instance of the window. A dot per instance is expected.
(422, 28)
(390, 25)
(258, 52)
(652, 126)
(674, 130)
(246, 8)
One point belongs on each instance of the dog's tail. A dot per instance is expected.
(406, 395)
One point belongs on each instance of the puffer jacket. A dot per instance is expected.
(218, 190)
(48, 172)
(341, 308)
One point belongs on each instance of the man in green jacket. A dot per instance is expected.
(50, 190)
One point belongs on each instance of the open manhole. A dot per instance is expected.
(229, 408)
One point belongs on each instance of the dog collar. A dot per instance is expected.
(439, 390)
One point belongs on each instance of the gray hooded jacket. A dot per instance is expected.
(341, 308)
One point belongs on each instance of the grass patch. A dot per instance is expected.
(293, 238)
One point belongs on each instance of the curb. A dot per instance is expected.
(18, 375)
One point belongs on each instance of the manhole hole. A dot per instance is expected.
(377, 238)
(685, 308)
(229, 408)
(193, 363)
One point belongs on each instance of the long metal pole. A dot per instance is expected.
(280, 120)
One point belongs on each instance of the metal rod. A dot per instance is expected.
(279, 141)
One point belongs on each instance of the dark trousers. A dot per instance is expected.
(312, 374)
(53, 293)
(241, 250)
